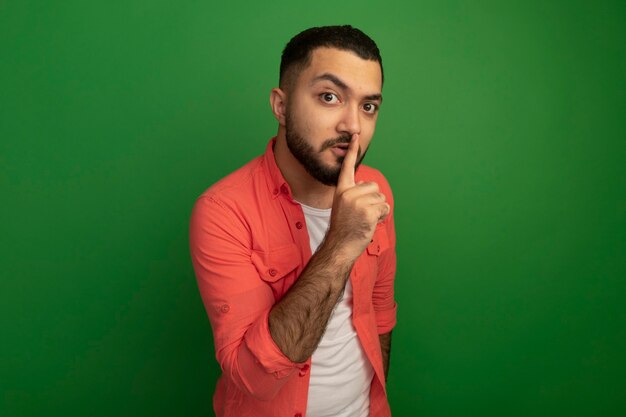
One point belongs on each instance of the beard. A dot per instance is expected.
(311, 160)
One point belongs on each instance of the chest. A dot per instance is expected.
(282, 248)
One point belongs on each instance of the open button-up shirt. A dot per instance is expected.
(249, 244)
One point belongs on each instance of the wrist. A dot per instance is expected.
(336, 255)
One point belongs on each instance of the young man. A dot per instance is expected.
(294, 253)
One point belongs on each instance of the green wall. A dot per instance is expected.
(503, 134)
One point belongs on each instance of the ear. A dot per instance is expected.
(278, 101)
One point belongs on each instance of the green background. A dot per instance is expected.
(503, 134)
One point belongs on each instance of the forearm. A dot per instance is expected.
(297, 322)
(385, 347)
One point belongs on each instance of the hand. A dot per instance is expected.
(357, 208)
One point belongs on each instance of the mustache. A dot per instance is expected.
(332, 142)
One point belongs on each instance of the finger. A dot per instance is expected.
(366, 187)
(346, 175)
(370, 186)
(384, 212)
(364, 198)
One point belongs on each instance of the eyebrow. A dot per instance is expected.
(335, 80)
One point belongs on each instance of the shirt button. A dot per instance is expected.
(283, 188)
(297, 415)
(273, 272)
(378, 248)
(299, 225)
(304, 369)
(275, 191)
(225, 308)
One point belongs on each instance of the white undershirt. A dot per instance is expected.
(341, 374)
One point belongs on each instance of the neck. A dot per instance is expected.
(305, 189)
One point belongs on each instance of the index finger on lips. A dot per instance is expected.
(346, 175)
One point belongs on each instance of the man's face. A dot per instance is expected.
(337, 95)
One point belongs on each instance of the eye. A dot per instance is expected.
(370, 108)
(329, 98)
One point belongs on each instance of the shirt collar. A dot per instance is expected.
(275, 180)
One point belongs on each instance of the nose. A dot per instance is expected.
(350, 122)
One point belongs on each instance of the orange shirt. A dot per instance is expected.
(249, 244)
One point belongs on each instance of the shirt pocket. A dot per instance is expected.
(278, 267)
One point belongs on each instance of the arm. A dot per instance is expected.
(385, 347)
(383, 295)
(297, 322)
(236, 300)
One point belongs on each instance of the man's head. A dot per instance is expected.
(330, 88)
(297, 53)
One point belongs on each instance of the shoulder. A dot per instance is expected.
(224, 209)
(237, 185)
(227, 203)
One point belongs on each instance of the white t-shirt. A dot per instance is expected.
(341, 374)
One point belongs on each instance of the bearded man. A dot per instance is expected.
(294, 253)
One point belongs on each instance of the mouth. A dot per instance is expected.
(338, 146)
(341, 149)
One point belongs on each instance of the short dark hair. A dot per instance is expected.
(297, 53)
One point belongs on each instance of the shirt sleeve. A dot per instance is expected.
(237, 302)
(385, 306)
